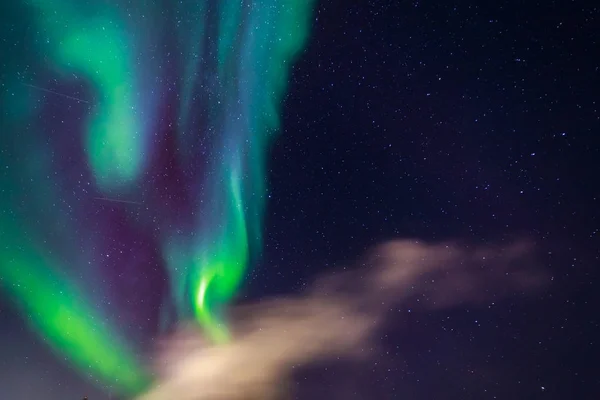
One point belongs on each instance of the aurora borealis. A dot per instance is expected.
(410, 214)
(179, 106)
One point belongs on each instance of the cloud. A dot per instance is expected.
(336, 317)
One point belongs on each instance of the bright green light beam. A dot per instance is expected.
(57, 310)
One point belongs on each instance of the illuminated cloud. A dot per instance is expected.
(336, 317)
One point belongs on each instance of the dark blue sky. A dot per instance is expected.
(476, 121)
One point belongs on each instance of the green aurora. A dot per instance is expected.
(109, 46)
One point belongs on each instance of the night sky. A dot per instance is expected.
(469, 121)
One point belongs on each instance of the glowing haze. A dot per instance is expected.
(100, 89)
(257, 42)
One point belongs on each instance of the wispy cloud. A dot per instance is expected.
(336, 317)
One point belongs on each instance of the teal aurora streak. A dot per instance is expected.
(109, 47)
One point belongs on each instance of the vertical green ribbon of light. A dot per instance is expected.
(83, 39)
(257, 44)
(190, 29)
(60, 313)
(89, 39)
(54, 305)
